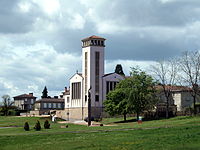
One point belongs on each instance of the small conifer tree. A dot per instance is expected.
(26, 126)
(37, 126)
(46, 124)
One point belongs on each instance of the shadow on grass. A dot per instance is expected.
(143, 119)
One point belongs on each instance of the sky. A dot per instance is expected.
(40, 40)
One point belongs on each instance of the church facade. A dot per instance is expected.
(92, 78)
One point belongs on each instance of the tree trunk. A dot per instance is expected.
(167, 109)
(125, 117)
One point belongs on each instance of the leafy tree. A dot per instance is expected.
(45, 93)
(140, 91)
(6, 104)
(133, 94)
(119, 70)
(116, 103)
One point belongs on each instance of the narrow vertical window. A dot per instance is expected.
(86, 65)
(97, 57)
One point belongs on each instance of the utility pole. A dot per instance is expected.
(89, 106)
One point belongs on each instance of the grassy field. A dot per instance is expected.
(173, 134)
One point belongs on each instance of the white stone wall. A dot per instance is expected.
(91, 72)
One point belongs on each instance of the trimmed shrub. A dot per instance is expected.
(26, 126)
(46, 124)
(37, 126)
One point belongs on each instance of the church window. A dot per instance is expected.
(67, 99)
(96, 98)
(97, 56)
(86, 65)
(107, 87)
(76, 90)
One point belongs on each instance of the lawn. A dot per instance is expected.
(175, 133)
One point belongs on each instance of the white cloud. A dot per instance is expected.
(50, 7)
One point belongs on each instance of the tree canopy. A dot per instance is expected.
(134, 94)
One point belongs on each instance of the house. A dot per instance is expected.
(45, 105)
(181, 97)
(24, 102)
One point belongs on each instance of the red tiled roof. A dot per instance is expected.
(93, 37)
(174, 88)
(25, 96)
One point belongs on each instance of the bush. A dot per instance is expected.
(26, 126)
(46, 124)
(37, 126)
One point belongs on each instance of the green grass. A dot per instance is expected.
(172, 134)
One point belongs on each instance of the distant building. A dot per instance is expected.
(43, 106)
(25, 101)
(181, 97)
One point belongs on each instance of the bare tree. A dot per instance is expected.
(190, 66)
(165, 72)
(6, 104)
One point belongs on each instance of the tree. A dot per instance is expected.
(166, 73)
(119, 70)
(190, 75)
(133, 94)
(141, 91)
(116, 103)
(45, 93)
(6, 104)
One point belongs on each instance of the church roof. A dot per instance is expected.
(105, 75)
(93, 37)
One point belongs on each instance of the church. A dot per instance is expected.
(91, 79)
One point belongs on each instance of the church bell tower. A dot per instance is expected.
(93, 69)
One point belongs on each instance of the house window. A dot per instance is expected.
(59, 105)
(45, 105)
(54, 105)
(49, 105)
(32, 101)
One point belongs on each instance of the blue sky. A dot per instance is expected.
(40, 39)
